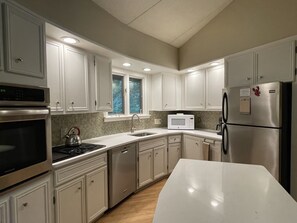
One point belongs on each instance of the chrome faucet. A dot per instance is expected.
(132, 122)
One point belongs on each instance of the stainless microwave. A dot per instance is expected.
(181, 121)
(25, 133)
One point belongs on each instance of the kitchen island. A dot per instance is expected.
(202, 191)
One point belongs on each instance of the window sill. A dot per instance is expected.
(124, 117)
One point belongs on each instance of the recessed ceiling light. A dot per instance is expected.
(71, 40)
(126, 64)
(190, 70)
(147, 69)
(214, 64)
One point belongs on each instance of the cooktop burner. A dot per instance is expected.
(64, 152)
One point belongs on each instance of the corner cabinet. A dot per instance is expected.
(103, 82)
(166, 92)
(24, 47)
(4, 210)
(203, 89)
(193, 148)
(273, 62)
(152, 160)
(81, 190)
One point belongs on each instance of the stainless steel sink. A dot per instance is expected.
(141, 134)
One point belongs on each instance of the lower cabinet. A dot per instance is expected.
(152, 160)
(81, 190)
(193, 147)
(174, 151)
(215, 151)
(30, 204)
(4, 210)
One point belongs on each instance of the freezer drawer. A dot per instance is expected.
(252, 145)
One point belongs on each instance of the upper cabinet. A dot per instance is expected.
(266, 64)
(166, 92)
(203, 89)
(24, 44)
(103, 82)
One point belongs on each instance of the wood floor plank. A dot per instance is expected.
(137, 208)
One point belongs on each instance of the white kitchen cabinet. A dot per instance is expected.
(96, 193)
(81, 190)
(152, 160)
(4, 210)
(145, 167)
(194, 97)
(103, 81)
(174, 154)
(165, 92)
(76, 79)
(55, 75)
(160, 162)
(239, 70)
(193, 148)
(214, 86)
(24, 43)
(70, 200)
(32, 203)
(273, 62)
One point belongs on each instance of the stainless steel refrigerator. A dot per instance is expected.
(257, 127)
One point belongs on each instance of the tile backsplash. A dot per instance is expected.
(93, 125)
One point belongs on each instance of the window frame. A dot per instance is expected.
(127, 116)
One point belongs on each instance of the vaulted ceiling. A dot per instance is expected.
(171, 21)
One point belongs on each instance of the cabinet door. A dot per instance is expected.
(193, 148)
(195, 90)
(214, 87)
(70, 202)
(169, 92)
(239, 70)
(103, 79)
(4, 210)
(32, 204)
(76, 79)
(24, 41)
(174, 154)
(145, 167)
(160, 161)
(54, 56)
(276, 63)
(96, 193)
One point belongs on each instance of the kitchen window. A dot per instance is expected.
(129, 96)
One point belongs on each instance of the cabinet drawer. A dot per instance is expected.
(174, 138)
(148, 144)
(75, 170)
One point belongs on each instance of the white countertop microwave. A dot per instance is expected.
(181, 121)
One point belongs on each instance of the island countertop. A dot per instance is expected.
(214, 192)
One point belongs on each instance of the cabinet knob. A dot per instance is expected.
(156, 154)
(25, 204)
(149, 156)
(248, 78)
(79, 188)
(92, 181)
(108, 103)
(72, 102)
(197, 144)
(18, 60)
(165, 105)
(201, 103)
(260, 77)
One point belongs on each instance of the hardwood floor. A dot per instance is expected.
(139, 207)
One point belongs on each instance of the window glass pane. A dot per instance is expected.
(135, 86)
(118, 94)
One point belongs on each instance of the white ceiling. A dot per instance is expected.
(171, 21)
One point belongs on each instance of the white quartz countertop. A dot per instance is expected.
(214, 192)
(115, 140)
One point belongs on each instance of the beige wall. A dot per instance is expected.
(88, 20)
(244, 24)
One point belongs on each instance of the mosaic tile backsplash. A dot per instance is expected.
(92, 124)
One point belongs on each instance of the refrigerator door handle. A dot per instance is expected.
(225, 107)
(225, 139)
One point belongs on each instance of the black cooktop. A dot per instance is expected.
(64, 152)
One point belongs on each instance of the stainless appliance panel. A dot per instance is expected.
(122, 173)
(252, 145)
(265, 105)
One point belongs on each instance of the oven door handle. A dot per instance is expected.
(23, 112)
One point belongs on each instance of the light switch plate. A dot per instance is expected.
(157, 121)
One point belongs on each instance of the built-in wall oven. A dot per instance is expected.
(25, 133)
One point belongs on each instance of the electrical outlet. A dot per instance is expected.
(157, 121)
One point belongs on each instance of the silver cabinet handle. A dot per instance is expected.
(124, 151)
(18, 60)
(25, 204)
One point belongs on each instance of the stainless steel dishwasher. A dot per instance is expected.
(122, 173)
